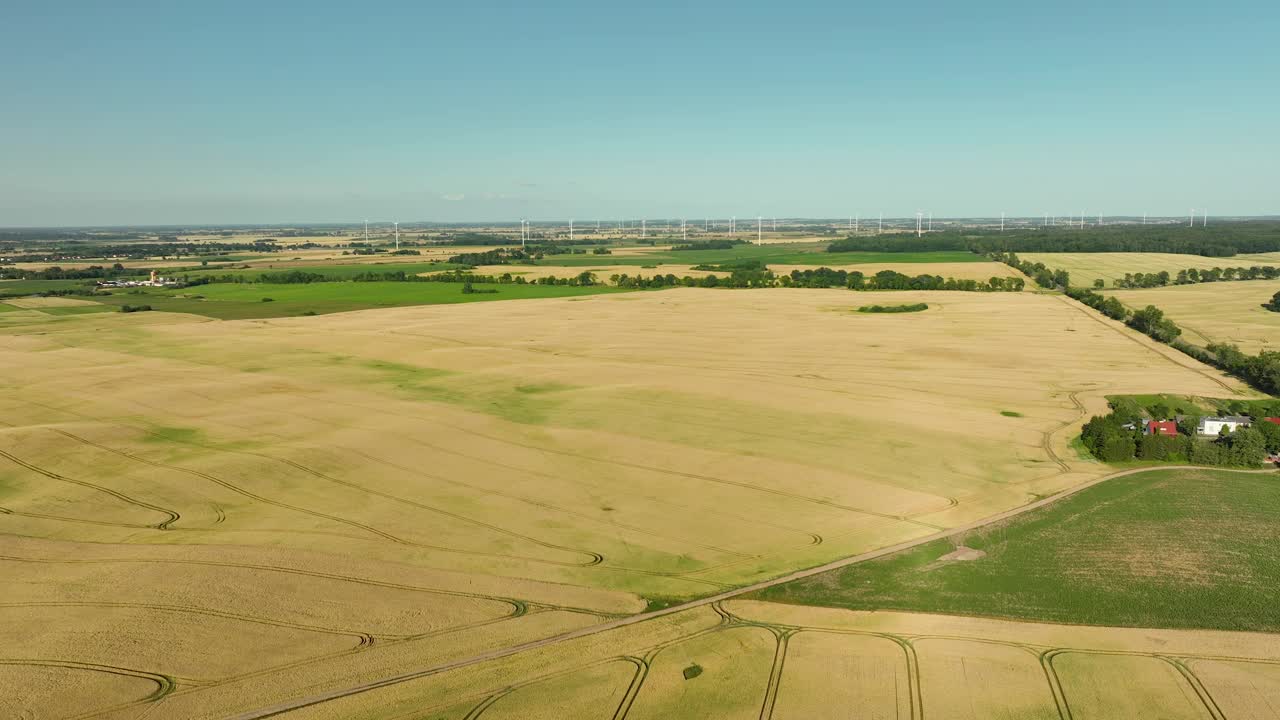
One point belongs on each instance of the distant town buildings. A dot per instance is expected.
(154, 281)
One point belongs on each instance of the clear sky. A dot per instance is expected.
(156, 112)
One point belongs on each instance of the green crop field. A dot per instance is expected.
(19, 288)
(236, 301)
(335, 271)
(1175, 548)
(786, 254)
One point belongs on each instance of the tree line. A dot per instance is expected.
(1274, 305)
(93, 272)
(1224, 240)
(1192, 276)
(1044, 276)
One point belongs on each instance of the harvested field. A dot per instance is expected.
(633, 447)
(1218, 312)
(1085, 268)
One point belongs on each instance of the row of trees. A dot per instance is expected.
(934, 242)
(76, 250)
(1149, 320)
(709, 245)
(93, 272)
(1192, 276)
(825, 277)
(1038, 271)
(1108, 305)
(1274, 305)
(1224, 241)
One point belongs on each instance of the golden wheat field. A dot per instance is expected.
(1085, 268)
(1219, 312)
(752, 659)
(204, 517)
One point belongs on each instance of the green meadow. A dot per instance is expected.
(1169, 548)
(21, 288)
(238, 301)
(335, 271)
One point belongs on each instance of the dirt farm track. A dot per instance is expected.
(714, 600)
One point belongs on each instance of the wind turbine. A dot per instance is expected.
(643, 227)
(570, 231)
(855, 223)
(397, 237)
(1193, 218)
(1081, 219)
(1205, 221)
(880, 229)
(684, 229)
(1001, 222)
(759, 230)
(919, 217)
(930, 221)
(366, 231)
(733, 225)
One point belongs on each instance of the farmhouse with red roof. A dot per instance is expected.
(1162, 427)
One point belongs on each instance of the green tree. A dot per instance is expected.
(1248, 447)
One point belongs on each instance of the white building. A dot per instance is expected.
(1214, 425)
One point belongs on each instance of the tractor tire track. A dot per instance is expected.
(1124, 332)
(657, 470)
(817, 539)
(165, 684)
(595, 558)
(315, 513)
(316, 699)
(173, 515)
(363, 638)
(517, 606)
(538, 503)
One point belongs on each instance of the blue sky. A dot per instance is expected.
(257, 112)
